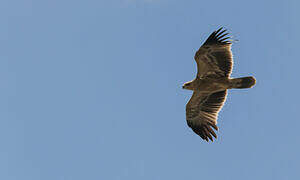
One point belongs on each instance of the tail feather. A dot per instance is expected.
(244, 82)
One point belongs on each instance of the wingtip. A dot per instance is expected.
(218, 37)
(218, 30)
(206, 132)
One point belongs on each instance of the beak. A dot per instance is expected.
(182, 87)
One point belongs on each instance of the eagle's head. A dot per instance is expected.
(188, 85)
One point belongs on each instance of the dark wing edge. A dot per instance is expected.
(218, 37)
(223, 59)
(208, 113)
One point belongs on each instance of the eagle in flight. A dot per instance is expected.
(214, 65)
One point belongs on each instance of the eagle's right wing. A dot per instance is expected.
(202, 113)
(214, 57)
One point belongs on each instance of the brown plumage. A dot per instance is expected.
(214, 65)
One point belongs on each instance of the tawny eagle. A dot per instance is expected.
(214, 64)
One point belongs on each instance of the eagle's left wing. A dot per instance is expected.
(214, 57)
(202, 113)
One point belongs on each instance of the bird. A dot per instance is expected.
(214, 66)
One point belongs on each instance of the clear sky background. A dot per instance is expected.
(92, 90)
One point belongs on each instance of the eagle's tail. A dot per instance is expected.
(244, 82)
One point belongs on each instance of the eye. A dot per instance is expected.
(187, 85)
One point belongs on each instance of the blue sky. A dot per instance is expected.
(92, 90)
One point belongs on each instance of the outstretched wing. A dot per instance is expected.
(202, 113)
(214, 58)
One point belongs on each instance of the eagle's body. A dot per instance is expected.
(214, 64)
(210, 85)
